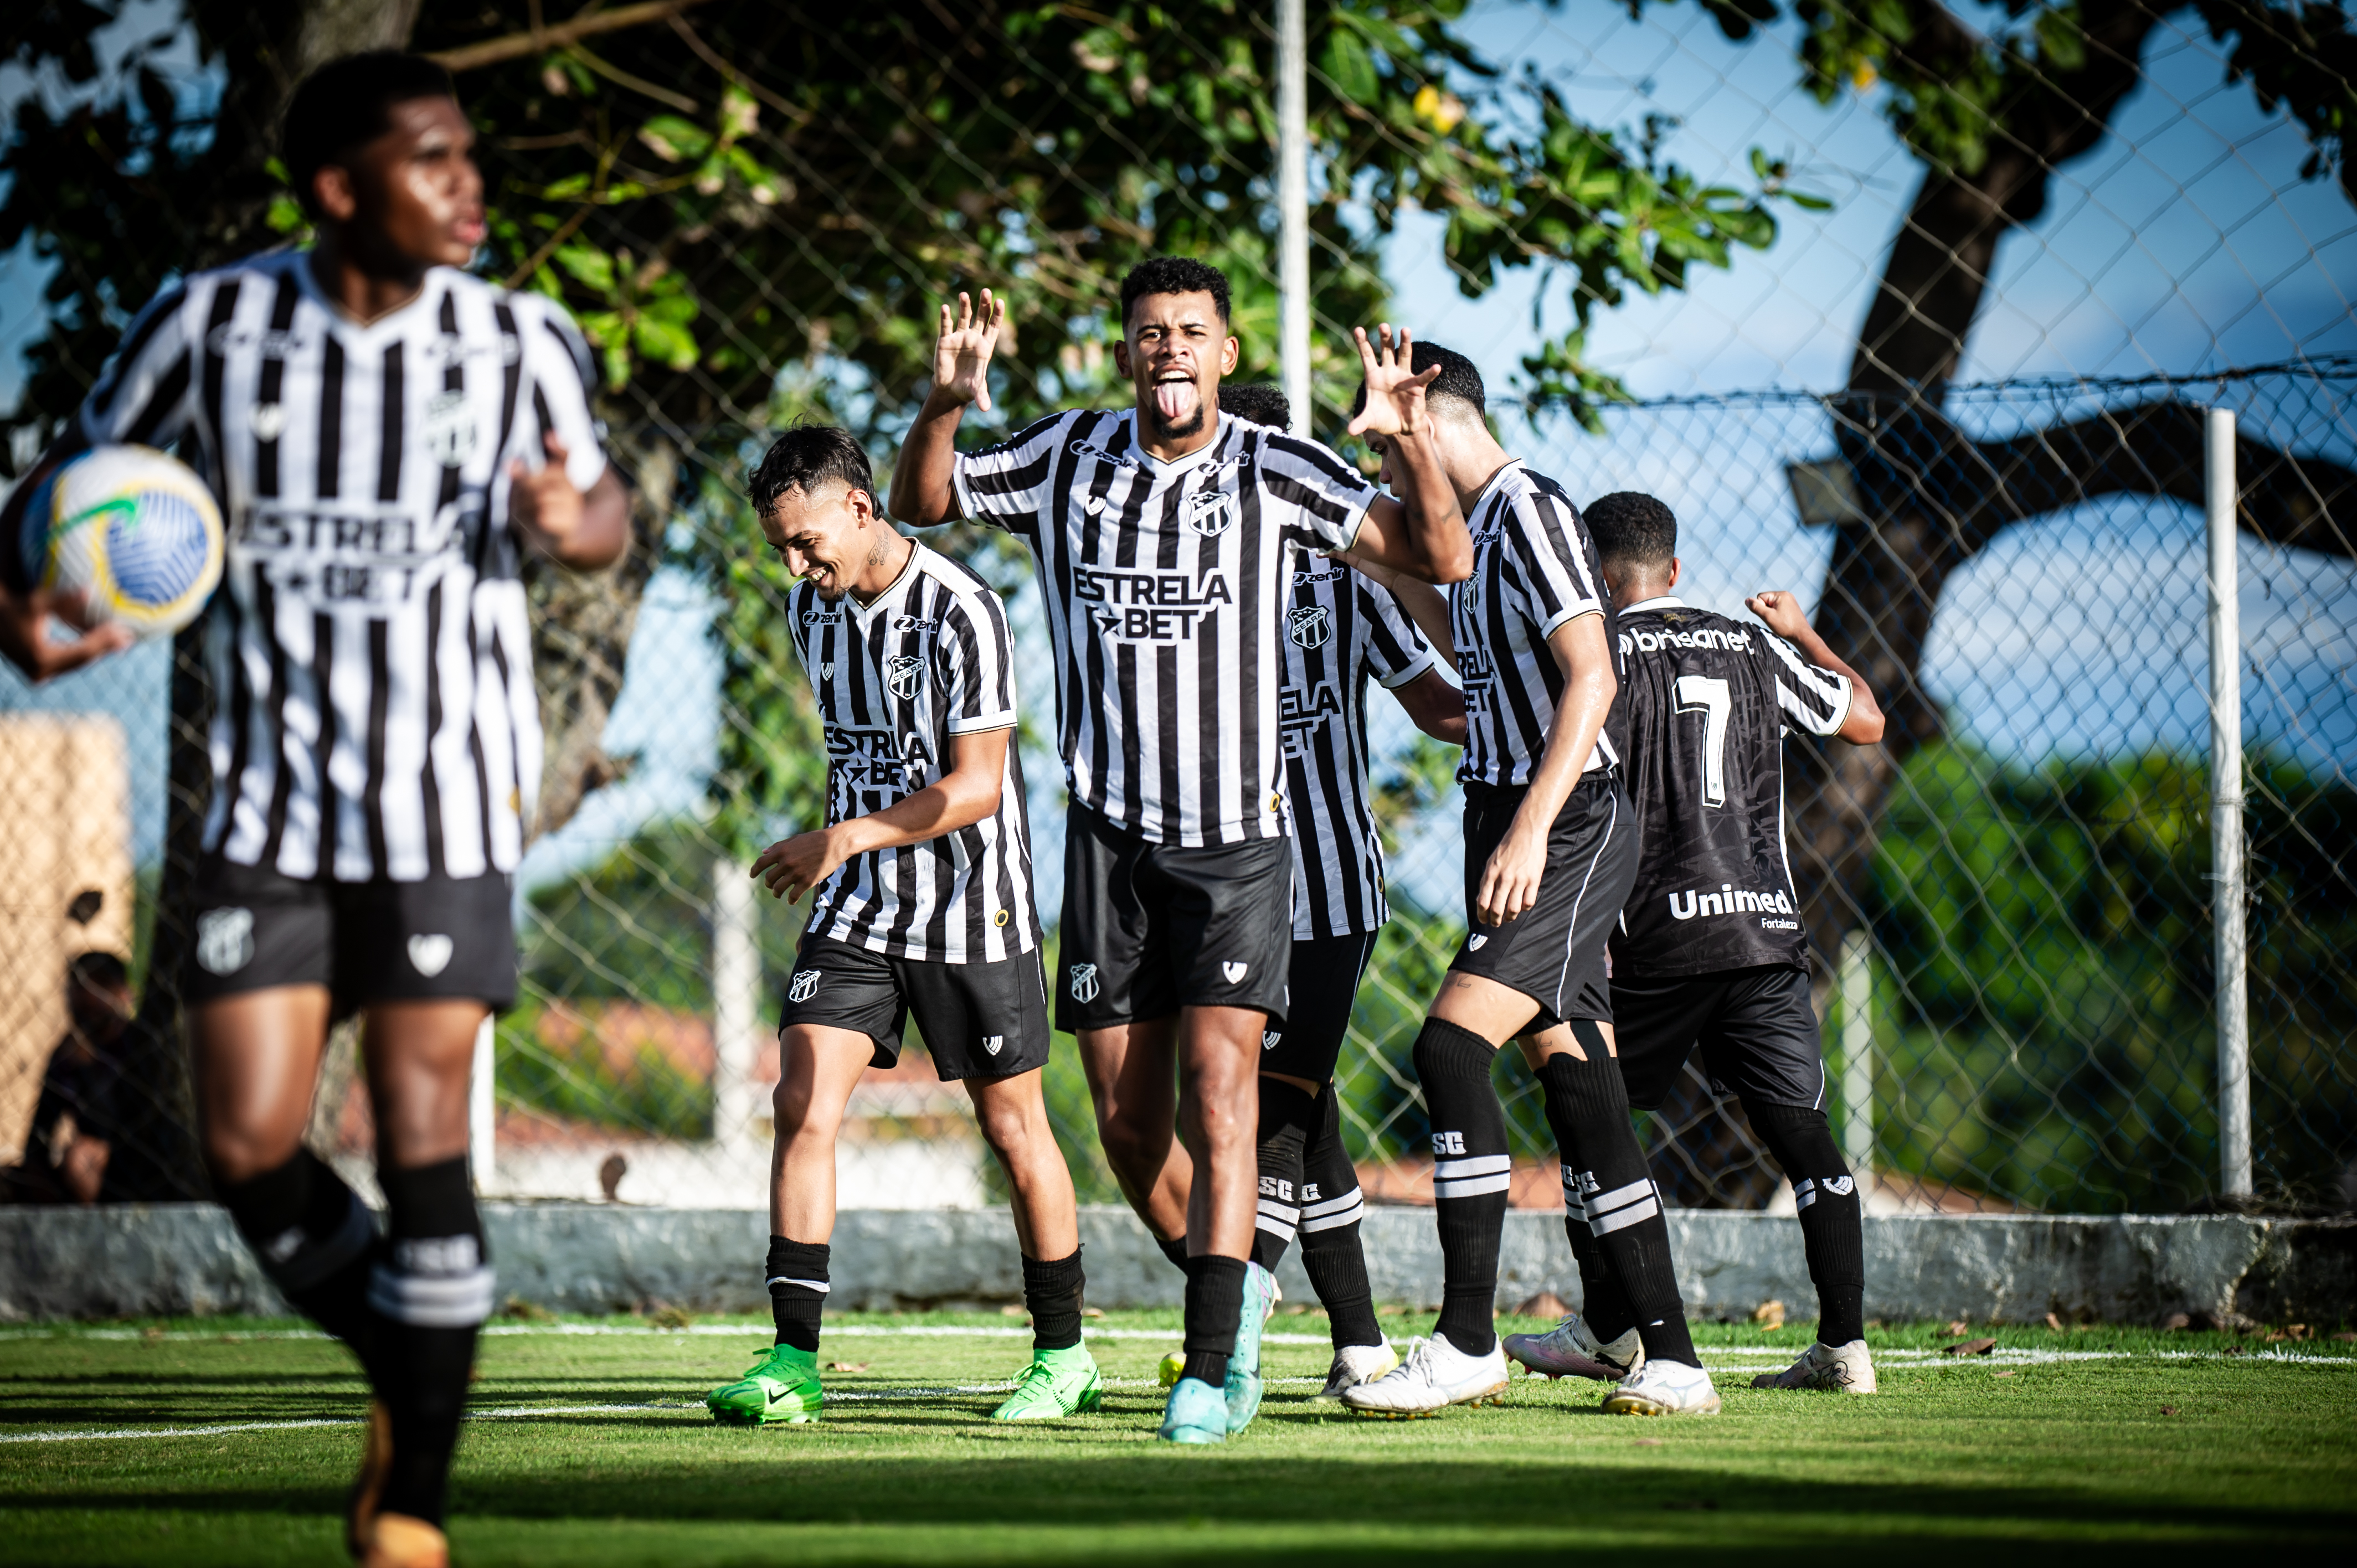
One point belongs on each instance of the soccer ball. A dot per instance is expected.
(133, 528)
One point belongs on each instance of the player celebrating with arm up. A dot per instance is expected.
(385, 433)
(1549, 855)
(923, 907)
(1711, 946)
(1164, 537)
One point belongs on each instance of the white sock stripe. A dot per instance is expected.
(1351, 1199)
(1279, 1229)
(1275, 1210)
(432, 1301)
(1803, 1196)
(1476, 1164)
(820, 1286)
(1635, 1214)
(1619, 1197)
(1474, 1187)
(1334, 1221)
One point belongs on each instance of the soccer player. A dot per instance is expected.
(1550, 852)
(1340, 631)
(1711, 947)
(923, 907)
(1164, 537)
(386, 435)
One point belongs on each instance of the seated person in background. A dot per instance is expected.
(75, 1120)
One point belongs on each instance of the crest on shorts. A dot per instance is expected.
(225, 939)
(451, 433)
(1475, 944)
(1235, 971)
(903, 673)
(993, 1044)
(805, 982)
(1085, 981)
(1312, 626)
(429, 952)
(1268, 1039)
(1211, 513)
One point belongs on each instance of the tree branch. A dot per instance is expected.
(588, 24)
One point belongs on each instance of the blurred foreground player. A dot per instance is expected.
(924, 907)
(1550, 853)
(1711, 948)
(1164, 537)
(385, 435)
(77, 1118)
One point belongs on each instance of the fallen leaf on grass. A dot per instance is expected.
(846, 1366)
(1546, 1303)
(1092, 1312)
(1768, 1314)
(2168, 1409)
(2232, 1350)
(2054, 1323)
(1649, 1443)
(1969, 1348)
(1013, 1312)
(1958, 1326)
(2007, 1373)
(2176, 1322)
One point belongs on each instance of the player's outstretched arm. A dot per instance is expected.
(922, 494)
(1436, 706)
(958, 798)
(1781, 612)
(583, 531)
(24, 618)
(1422, 532)
(1509, 883)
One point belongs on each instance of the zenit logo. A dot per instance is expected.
(1729, 900)
(1081, 448)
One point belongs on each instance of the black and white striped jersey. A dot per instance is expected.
(929, 658)
(1339, 629)
(1706, 702)
(1164, 586)
(371, 660)
(1534, 568)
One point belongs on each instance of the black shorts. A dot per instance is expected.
(979, 1020)
(1554, 953)
(1152, 928)
(1757, 1027)
(1324, 986)
(365, 942)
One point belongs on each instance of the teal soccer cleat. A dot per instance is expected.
(1196, 1413)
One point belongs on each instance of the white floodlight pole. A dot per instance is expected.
(735, 1001)
(1293, 209)
(2227, 902)
(482, 1110)
(1854, 979)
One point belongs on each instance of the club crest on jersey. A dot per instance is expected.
(827, 670)
(429, 954)
(1312, 626)
(804, 986)
(450, 431)
(1085, 981)
(903, 673)
(268, 420)
(1211, 512)
(225, 939)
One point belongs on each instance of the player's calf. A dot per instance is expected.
(1331, 1209)
(433, 1287)
(1470, 1174)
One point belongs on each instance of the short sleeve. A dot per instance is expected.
(980, 653)
(1326, 499)
(1007, 486)
(146, 395)
(1397, 651)
(1554, 572)
(1812, 697)
(562, 378)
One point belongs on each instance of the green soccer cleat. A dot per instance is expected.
(1197, 1413)
(782, 1386)
(1056, 1384)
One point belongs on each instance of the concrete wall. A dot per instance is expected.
(187, 1258)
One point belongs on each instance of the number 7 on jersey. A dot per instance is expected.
(1709, 696)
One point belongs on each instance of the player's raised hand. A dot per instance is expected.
(544, 500)
(962, 353)
(1780, 611)
(1394, 393)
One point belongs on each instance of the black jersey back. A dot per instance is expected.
(1706, 700)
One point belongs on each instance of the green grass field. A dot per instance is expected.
(212, 1441)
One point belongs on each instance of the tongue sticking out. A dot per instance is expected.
(1175, 400)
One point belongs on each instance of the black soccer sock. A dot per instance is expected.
(434, 1286)
(316, 1240)
(1215, 1311)
(1470, 1173)
(796, 1275)
(1287, 1114)
(1832, 1227)
(1602, 1300)
(1331, 1208)
(1174, 1249)
(1051, 1292)
(1588, 1106)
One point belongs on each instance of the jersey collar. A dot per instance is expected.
(864, 614)
(1213, 451)
(1658, 602)
(1490, 486)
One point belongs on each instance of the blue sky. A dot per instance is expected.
(2185, 243)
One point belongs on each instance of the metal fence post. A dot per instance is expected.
(735, 1001)
(2227, 902)
(1293, 209)
(482, 1140)
(1857, 982)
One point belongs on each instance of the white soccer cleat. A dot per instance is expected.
(1435, 1376)
(1571, 1349)
(1356, 1364)
(1665, 1388)
(1839, 1369)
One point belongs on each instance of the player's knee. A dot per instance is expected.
(236, 1152)
(1800, 1140)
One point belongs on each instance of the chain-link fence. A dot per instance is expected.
(753, 211)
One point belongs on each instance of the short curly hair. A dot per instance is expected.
(1258, 402)
(1173, 275)
(1632, 526)
(347, 104)
(804, 458)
